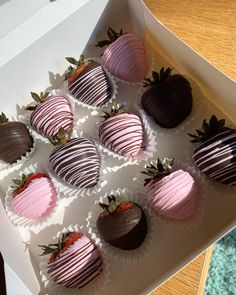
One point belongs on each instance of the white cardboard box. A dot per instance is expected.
(32, 58)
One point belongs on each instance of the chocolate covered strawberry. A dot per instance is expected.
(168, 98)
(121, 132)
(34, 196)
(88, 82)
(122, 224)
(75, 161)
(15, 141)
(51, 113)
(74, 261)
(171, 194)
(125, 56)
(216, 154)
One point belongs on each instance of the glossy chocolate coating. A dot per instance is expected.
(170, 102)
(91, 86)
(76, 162)
(15, 141)
(125, 230)
(216, 157)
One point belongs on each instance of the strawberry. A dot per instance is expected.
(15, 141)
(88, 82)
(168, 98)
(122, 224)
(34, 196)
(125, 56)
(170, 194)
(216, 154)
(71, 258)
(51, 113)
(75, 161)
(121, 132)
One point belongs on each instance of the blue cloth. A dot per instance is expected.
(221, 279)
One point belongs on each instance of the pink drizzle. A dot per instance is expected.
(174, 196)
(126, 58)
(37, 200)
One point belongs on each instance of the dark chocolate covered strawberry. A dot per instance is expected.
(15, 141)
(168, 98)
(216, 154)
(51, 113)
(34, 196)
(122, 224)
(74, 261)
(75, 161)
(125, 56)
(121, 132)
(88, 82)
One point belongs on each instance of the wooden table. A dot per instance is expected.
(209, 27)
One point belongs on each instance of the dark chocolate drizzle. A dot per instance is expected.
(125, 230)
(67, 271)
(216, 157)
(170, 102)
(76, 162)
(92, 86)
(15, 141)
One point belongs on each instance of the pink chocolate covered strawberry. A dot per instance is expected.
(15, 141)
(51, 113)
(170, 194)
(74, 261)
(121, 132)
(88, 82)
(125, 56)
(34, 197)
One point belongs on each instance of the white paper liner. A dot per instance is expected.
(200, 205)
(116, 253)
(74, 110)
(69, 190)
(21, 220)
(196, 112)
(150, 62)
(23, 159)
(111, 80)
(94, 287)
(149, 140)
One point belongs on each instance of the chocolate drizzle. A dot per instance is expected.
(125, 230)
(78, 266)
(76, 162)
(122, 133)
(169, 102)
(51, 115)
(91, 86)
(216, 157)
(15, 141)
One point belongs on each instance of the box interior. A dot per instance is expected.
(40, 67)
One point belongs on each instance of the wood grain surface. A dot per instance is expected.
(190, 280)
(209, 27)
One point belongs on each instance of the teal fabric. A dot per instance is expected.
(221, 279)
